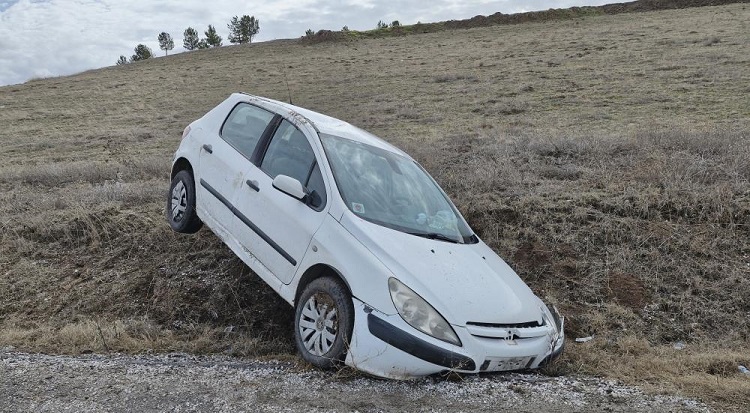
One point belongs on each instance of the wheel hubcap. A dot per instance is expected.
(179, 201)
(318, 324)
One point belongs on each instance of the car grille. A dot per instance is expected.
(516, 325)
(513, 331)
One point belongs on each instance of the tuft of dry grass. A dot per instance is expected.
(699, 369)
(137, 336)
(604, 157)
(58, 174)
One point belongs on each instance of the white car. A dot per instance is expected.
(384, 273)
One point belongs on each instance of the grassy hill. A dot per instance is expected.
(498, 18)
(605, 157)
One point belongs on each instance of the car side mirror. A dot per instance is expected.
(290, 186)
(314, 200)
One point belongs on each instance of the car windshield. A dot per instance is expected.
(393, 191)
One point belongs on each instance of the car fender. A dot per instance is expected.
(364, 274)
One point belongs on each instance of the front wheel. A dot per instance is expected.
(323, 323)
(181, 212)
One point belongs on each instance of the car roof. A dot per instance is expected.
(332, 126)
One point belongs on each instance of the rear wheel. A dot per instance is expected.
(324, 319)
(181, 212)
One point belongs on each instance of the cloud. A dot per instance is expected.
(40, 38)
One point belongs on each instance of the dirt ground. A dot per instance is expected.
(184, 383)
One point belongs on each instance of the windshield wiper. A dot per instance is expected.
(435, 235)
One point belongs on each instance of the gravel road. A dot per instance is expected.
(181, 382)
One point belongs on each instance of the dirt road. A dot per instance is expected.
(180, 382)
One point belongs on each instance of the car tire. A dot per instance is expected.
(181, 212)
(323, 322)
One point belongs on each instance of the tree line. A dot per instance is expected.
(241, 30)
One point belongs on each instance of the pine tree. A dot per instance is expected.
(212, 38)
(142, 52)
(122, 61)
(190, 39)
(165, 42)
(242, 30)
(202, 44)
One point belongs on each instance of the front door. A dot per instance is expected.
(281, 227)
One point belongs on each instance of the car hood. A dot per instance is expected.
(464, 282)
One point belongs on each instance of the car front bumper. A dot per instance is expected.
(386, 346)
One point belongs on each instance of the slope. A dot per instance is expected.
(605, 157)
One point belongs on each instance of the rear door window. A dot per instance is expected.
(244, 126)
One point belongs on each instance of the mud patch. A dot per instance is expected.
(628, 290)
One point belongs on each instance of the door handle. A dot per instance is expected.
(208, 148)
(253, 185)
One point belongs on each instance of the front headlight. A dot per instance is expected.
(419, 314)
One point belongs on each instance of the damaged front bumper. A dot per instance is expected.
(386, 346)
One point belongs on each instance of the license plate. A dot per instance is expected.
(507, 363)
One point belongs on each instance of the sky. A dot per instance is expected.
(43, 38)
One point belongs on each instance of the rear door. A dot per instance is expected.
(281, 226)
(224, 158)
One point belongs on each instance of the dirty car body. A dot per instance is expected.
(384, 273)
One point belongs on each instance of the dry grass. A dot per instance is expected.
(606, 158)
(137, 336)
(700, 368)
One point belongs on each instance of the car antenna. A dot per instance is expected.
(288, 91)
